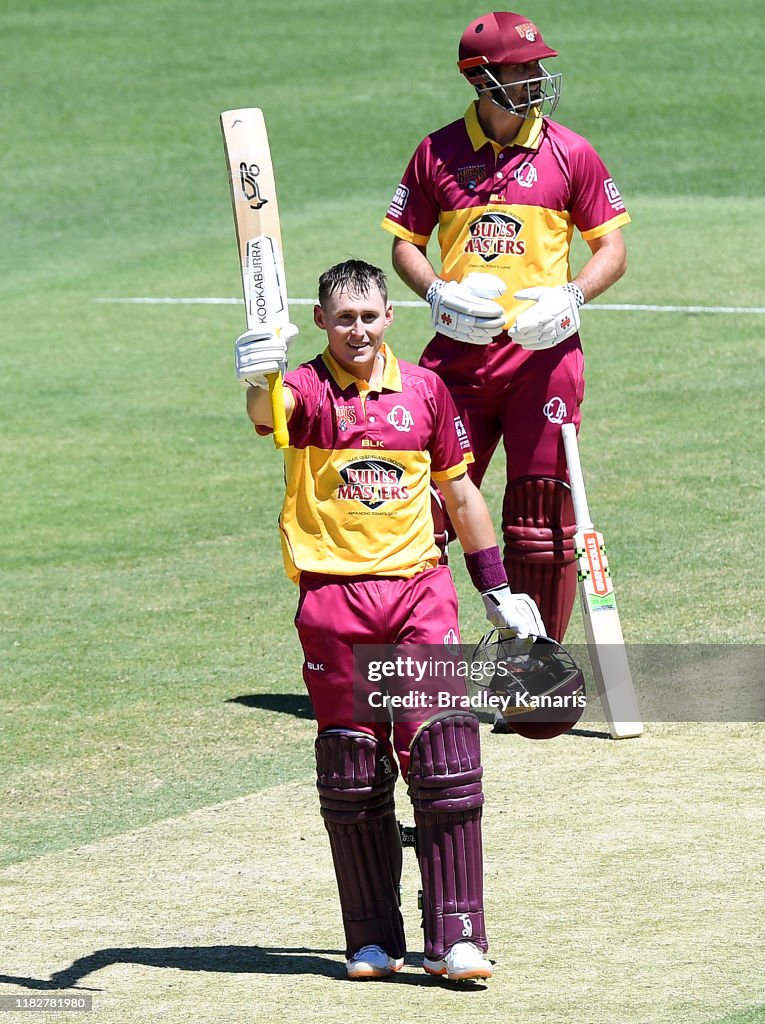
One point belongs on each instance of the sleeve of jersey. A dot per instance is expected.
(413, 211)
(596, 203)
(451, 452)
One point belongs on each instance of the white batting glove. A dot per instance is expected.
(262, 351)
(516, 612)
(553, 317)
(465, 310)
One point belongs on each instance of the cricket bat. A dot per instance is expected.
(256, 217)
(602, 627)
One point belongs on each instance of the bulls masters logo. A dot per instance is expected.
(372, 482)
(495, 234)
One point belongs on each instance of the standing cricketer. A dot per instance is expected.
(506, 186)
(368, 433)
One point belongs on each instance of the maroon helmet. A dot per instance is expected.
(539, 685)
(502, 37)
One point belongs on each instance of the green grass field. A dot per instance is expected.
(151, 682)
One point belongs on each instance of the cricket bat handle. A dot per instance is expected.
(576, 477)
(278, 414)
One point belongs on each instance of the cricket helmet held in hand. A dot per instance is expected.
(540, 685)
(502, 37)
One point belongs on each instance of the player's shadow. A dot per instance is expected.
(327, 963)
(299, 706)
(294, 704)
(501, 729)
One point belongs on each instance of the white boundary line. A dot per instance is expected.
(619, 307)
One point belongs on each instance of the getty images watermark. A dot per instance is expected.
(673, 682)
(409, 682)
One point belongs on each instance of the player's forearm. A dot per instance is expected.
(469, 514)
(413, 266)
(259, 407)
(606, 265)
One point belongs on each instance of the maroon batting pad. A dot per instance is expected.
(539, 528)
(445, 786)
(356, 781)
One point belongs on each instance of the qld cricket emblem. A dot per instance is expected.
(400, 418)
(526, 175)
(555, 410)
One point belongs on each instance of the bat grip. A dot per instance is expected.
(576, 477)
(278, 414)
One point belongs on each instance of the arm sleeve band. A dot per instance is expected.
(486, 569)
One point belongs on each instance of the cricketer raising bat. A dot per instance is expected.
(256, 216)
(602, 627)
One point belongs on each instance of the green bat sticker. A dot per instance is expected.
(598, 604)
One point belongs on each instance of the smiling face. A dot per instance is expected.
(355, 322)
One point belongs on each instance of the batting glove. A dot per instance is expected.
(517, 612)
(464, 310)
(260, 352)
(553, 317)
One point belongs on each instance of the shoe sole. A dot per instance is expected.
(476, 974)
(374, 973)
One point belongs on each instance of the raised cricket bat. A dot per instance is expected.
(602, 626)
(256, 216)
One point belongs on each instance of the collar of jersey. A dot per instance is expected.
(528, 136)
(391, 378)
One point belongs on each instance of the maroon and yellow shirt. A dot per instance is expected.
(509, 210)
(359, 466)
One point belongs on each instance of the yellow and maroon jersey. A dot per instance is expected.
(510, 210)
(359, 466)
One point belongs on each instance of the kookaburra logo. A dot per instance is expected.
(248, 174)
(372, 482)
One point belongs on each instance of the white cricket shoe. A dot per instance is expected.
(372, 962)
(464, 962)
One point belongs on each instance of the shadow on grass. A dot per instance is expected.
(299, 706)
(285, 703)
(503, 729)
(592, 734)
(327, 963)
